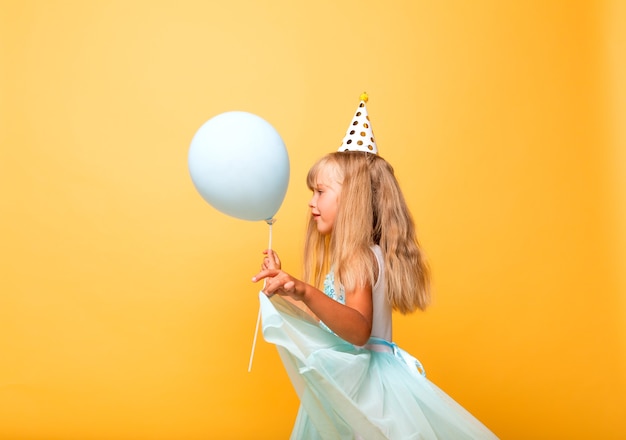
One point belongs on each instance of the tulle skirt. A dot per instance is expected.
(347, 392)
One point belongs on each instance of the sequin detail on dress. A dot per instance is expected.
(331, 292)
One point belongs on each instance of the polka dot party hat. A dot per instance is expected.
(360, 136)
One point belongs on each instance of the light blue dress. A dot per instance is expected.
(373, 392)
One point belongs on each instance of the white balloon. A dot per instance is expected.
(239, 164)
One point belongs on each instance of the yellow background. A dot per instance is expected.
(126, 307)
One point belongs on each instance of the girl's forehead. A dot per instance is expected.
(324, 172)
(327, 174)
(322, 177)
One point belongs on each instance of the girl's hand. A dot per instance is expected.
(271, 260)
(276, 280)
(281, 283)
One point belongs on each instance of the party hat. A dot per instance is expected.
(359, 136)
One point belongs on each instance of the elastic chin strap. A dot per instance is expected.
(270, 223)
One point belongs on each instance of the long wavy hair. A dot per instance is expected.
(372, 210)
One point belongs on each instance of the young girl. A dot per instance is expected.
(333, 333)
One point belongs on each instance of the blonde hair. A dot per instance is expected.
(372, 210)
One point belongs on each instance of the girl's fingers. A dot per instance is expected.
(273, 258)
(261, 275)
(272, 285)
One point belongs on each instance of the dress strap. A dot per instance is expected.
(378, 344)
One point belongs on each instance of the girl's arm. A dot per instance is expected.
(352, 321)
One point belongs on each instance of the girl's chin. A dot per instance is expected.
(323, 230)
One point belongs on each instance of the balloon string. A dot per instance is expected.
(258, 318)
